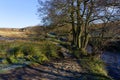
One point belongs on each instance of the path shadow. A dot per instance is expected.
(37, 73)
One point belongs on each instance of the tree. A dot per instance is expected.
(81, 14)
(54, 12)
(109, 16)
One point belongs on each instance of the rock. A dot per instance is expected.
(65, 53)
(64, 39)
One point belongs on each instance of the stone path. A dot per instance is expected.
(55, 70)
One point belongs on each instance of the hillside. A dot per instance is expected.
(112, 28)
(21, 32)
(13, 33)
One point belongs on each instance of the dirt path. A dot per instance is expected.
(58, 70)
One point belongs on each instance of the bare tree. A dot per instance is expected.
(81, 14)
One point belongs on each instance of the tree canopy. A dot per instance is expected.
(80, 14)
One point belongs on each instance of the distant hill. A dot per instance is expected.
(22, 32)
(109, 29)
(12, 32)
(38, 31)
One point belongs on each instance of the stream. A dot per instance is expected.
(112, 61)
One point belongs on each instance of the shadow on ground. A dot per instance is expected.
(49, 71)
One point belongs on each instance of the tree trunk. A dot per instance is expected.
(73, 24)
(79, 27)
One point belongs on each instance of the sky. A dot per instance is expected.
(18, 13)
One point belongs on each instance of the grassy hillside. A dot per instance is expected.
(21, 32)
(48, 50)
(40, 31)
(13, 34)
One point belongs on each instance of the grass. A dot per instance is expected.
(93, 65)
(44, 51)
(95, 69)
(33, 51)
(14, 34)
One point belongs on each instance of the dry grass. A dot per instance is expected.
(13, 34)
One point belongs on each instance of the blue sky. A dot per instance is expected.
(18, 13)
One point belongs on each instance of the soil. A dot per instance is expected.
(67, 69)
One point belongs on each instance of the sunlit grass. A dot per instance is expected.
(36, 51)
(14, 34)
(93, 65)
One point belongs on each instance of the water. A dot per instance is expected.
(112, 61)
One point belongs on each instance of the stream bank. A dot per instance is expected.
(112, 61)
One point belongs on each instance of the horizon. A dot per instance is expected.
(13, 15)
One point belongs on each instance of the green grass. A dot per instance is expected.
(95, 69)
(33, 51)
(93, 65)
(44, 51)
